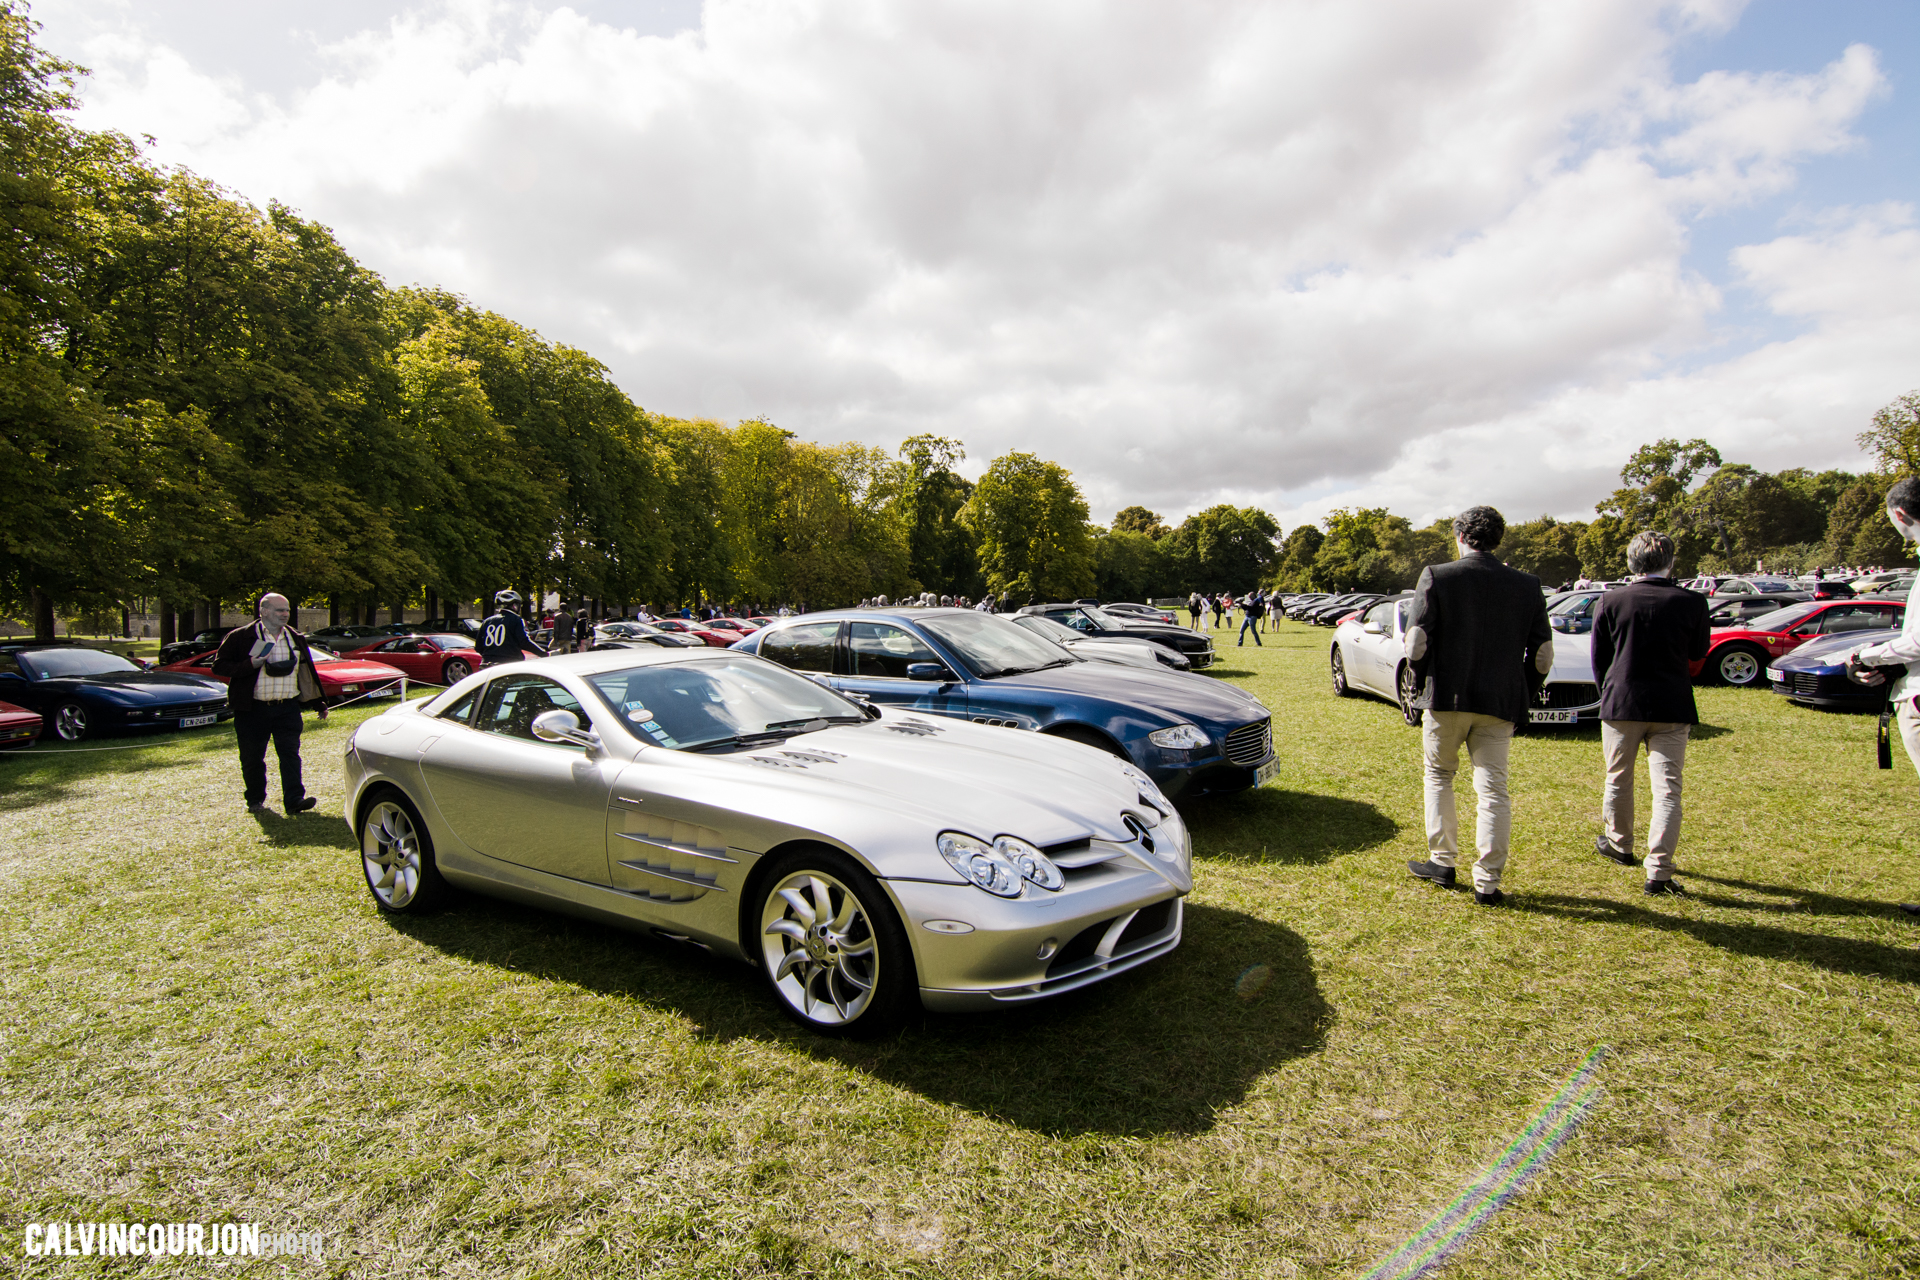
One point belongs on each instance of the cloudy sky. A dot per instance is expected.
(1301, 254)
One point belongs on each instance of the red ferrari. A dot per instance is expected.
(1740, 655)
(719, 638)
(340, 678)
(741, 627)
(438, 659)
(18, 726)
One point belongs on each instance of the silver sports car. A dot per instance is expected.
(862, 858)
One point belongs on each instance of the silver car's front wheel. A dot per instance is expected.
(397, 855)
(832, 947)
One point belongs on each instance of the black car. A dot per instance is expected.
(1739, 610)
(190, 646)
(339, 636)
(1330, 613)
(1190, 734)
(469, 627)
(81, 692)
(1092, 620)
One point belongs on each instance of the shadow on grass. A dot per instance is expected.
(1839, 955)
(1161, 1049)
(1268, 824)
(1797, 901)
(47, 771)
(1589, 731)
(312, 829)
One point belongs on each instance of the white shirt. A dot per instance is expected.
(1902, 650)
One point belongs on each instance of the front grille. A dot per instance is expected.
(1566, 695)
(1146, 927)
(1251, 744)
(1806, 684)
(174, 710)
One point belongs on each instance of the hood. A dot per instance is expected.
(1572, 658)
(141, 686)
(1831, 651)
(359, 669)
(1178, 695)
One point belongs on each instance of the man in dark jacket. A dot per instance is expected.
(503, 637)
(1645, 635)
(1251, 609)
(1479, 644)
(270, 677)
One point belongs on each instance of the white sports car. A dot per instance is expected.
(1369, 656)
(864, 859)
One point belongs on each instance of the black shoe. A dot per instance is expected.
(1911, 908)
(300, 806)
(1606, 850)
(1491, 898)
(1428, 871)
(1658, 887)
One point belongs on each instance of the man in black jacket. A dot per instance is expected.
(1645, 635)
(1479, 644)
(270, 677)
(503, 637)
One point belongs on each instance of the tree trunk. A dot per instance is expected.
(126, 623)
(433, 603)
(167, 633)
(42, 615)
(333, 609)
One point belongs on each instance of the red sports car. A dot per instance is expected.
(739, 626)
(719, 638)
(340, 678)
(18, 726)
(1740, 655)
(437, 659)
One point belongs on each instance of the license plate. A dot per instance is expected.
(1776, 675)
(1266, 772)
(194, 722)
(1553, 717)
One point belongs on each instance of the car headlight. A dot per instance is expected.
(1183, 737)
(981, 863)
(1034, 865)
(1150, 793)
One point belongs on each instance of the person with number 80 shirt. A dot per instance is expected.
(503, 636)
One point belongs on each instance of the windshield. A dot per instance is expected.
(1572, 604)
(1107, 621)
(321, 653)
(1771, 586)
(453, 642)
(1781, 619)
(1054, 631)
(45, 664)
(993, 646)
(741, 700)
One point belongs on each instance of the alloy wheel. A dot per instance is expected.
(390, 852)
(819, 946)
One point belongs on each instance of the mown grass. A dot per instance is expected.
(207, 1019)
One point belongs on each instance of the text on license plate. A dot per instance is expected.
(1266, 772)
(1553, 717)
(194, 722)
(1776, 675)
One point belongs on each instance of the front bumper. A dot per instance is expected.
(1830, 689)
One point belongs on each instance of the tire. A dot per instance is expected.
(1403, 682)
(1090, 738)
(831, 946)
(1740, 665)
(70, 722)
(1341, 687)
(396, 854)
(456, 671)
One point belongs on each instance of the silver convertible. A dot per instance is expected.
(1369, 656)
(865, 859)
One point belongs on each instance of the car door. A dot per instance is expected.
(513, 797)
(1372, 666)
(876, 658)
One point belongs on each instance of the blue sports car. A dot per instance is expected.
(81, 692)
(1816, 672)
(1192, 734)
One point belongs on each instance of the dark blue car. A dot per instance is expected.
(81, 692)
(1193, 735)
(1816, 672)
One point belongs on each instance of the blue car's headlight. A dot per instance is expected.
(1181, 737)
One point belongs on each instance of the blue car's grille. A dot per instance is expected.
(1251, 744)
(173, 710)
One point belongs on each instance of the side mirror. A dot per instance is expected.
(1373, 628)
(927, 671)
(562, 726)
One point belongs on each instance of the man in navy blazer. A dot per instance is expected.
(1479, 645)
(1645, 636)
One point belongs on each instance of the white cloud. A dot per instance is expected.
(1299, 254)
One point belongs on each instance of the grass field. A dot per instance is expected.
(206, 1019)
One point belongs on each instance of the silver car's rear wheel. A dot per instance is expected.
(397, 855)
(832, 947)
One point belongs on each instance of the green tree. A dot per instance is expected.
(1031, 522)
(1293, 570)
(1224, 548)
(1140, 520)
(1893, 437)
(1547, 548)
(1127, 564)
(932, 495)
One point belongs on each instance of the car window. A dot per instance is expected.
(45, 664)
(993, 646)
(687, 705)
(1046, 627)
(461, 712)
(512, 702)
(807, 646)
(8, 666)
(1380, 615)
(1781, 619)
(1855, 617)
(878, 649)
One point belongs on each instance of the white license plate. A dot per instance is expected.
(1553, 717)
(1776, 675)
(194, 722)
(1266, 772)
